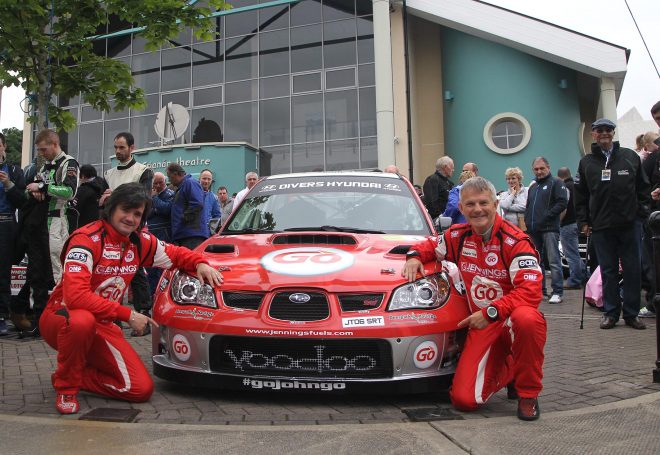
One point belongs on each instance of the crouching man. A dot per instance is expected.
(507, 333)
(99, 261)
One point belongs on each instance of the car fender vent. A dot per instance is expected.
(219, 248)
(400, 249)
(243, 300)
(314, 239)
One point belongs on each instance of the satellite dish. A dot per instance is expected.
(171, 122)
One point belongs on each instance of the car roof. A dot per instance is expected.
(384, 175)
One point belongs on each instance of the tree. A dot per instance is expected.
(14, 139)
(46, 46)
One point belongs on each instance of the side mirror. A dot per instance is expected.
(215, 224)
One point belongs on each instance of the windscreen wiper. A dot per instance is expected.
(335, 229)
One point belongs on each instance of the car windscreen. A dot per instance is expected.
(330, 203)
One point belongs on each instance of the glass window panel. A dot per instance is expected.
(338, 9)
(91, 146)
(138, 44)
(111, 115)
(211, 95)
(274, 53)
(208, 62)
(88, 114)
(515, 140)
(368, 111)
(176, 68)
(241, 122)
(270, 87)
(307, 118)
(308, 12)
(274, 121)
(499, 129)
(500, 142)
(69, 142)
(363, 7)
(309, 82)
(274, 18)
(307, 157)
(182, 98)
(366, 75)
(340, 78)
(306, 48)
(206, 124)
(339, 43)
(342, 155)
(112, 128)
(514, 128)
(241, 23)
(241, 91)
(365, 39)
(144, 132)
(146, 71)
(119, 46)
(368, 153)
(241, 62)
(153, 105)
(341, 114)
(183, 38)
(275, 160)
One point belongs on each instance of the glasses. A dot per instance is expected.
(604, 130)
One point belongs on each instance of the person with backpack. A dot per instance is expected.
(99, 261)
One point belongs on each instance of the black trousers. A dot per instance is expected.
(7, 240)
(140, 288)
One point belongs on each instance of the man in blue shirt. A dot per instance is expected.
(187, 208)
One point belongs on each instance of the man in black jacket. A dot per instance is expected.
(85, 204)
(437, 186)
(547, 198)
(568, 233)
(611, 201)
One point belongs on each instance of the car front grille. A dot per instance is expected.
(301, 358)
(244, 300)
(360, 302)
(283, 308)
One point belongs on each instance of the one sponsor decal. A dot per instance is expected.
(299, 333)
(527, 263)
(623, 172)
(112, 288)
(454, 234)
(307, 261)
(425, 354)
(197, 314)
(129, 256)
(363, 321)
(509, 241)
(470, 244)
(115, 269)
(146, 235)
(317, 362)
(95, 238)
(111, 254)
(469, 252)
(74, 268)
(181, 347)
(491, 259)
(492, 248)
(278, 384)
(530, 277)
(420, 318)
(299, 297)
(77, 255)
(491, 273)
(484, 291)
(163, 284)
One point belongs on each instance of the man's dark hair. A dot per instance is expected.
(223, 188)
(175, 168)
(3, 139)
(128, 196)
(655, 108)
(564, 173)
(130, 140)
(88, 171)
(207, 170)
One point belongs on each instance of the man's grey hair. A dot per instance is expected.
(443, 161)
(541, 158)
(479, 185)
(251, 173)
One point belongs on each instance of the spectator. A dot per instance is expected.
(188, 227)
(452, 211)
(420, 192)
(611, 199)
(130, 171)
(471, 167)
(226, 203)
(568, 233)
(514, 201)
(43, 223)
(437, 186)
(655, 113)
(12, 186)
(507, 332)
(250, 180)
(546, 200)
(92, 353)
(159, 222)
(391, 169)
(85, 203)
(211, 205)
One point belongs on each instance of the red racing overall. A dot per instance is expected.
(98, 265)
(503, 272)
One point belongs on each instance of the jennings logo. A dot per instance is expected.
(248, 360)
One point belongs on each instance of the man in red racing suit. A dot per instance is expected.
(99, 261)
(500, 268)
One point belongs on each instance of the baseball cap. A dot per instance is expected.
(603, 122)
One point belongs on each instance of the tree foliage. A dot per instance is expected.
(46, 47)
(14, 139)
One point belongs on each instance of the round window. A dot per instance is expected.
(507, 133)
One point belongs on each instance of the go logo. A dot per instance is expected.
(181, 347)
(307, 261)
(485, 291)
(425, 354)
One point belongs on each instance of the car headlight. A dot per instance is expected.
(428, 293)
(187, 290)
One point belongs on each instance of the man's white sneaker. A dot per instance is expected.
(555, 299)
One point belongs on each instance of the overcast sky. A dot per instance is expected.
(608, 20)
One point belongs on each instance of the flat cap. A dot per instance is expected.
(603, 122)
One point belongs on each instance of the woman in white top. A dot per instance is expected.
(514, 200)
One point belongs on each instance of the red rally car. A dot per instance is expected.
(313, 298)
